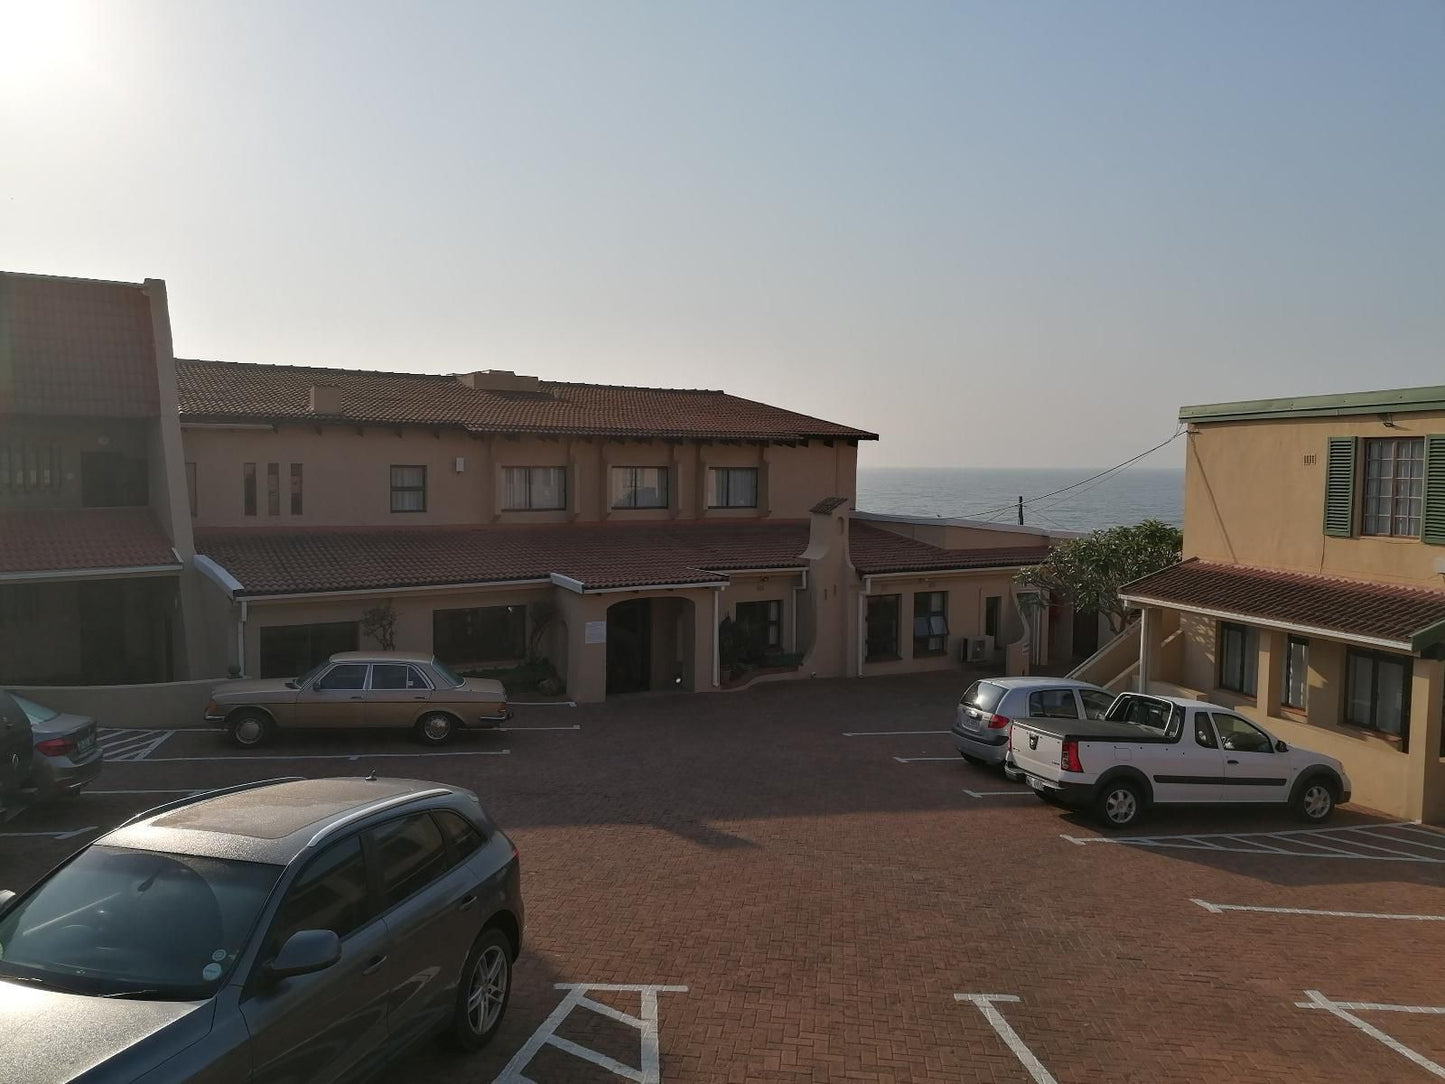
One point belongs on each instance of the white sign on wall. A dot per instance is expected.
(595, 632)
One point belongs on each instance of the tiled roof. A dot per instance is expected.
(1348, 607)
(58, 540)
(828, 504)
(597, 555)
(76, 347)
(231, 391)
(875, 551)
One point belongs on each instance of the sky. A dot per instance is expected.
(1014, 233)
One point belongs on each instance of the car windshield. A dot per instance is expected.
(983, 696)
(144, 923)
(310, 675)
(36, 713)
(446, 673)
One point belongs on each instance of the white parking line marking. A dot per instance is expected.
(1436, 846)
(995, 793)
(910, 760)
(1220, 908)
(326, 756)
(143, 791)
(509, 729)
(1348, 841)
(985, 1003)
(546, 1034)
(52, 835)
(1375, 1006)
(130, 745)
(1341, 1009)
(886, 733)
(544, 703)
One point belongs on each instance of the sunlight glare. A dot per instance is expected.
(40, 40)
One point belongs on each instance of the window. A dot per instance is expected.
(732, 487)
(411, 855)
(930, 623)
(295, 489)
(1394, 486)
(408, 489)
(331, 894)
(482, 634)
(882, 634)
(1239, 736)
(639, 487)
(344, 676)
(463, 837)
(1377, 691)
(107, 479)
(991, 607)
(273, 489)
(1204, 731)
(1096, 704)
(391, 676)
(248, 488)
(288, 650)
(760, 626)
(1238, 658)
(25, 466)
(1147, 711)
(191, 487)
(1296, 672)
(1053, 704)
(534, 489)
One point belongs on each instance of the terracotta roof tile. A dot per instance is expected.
(76, 347)
(231, 391)
(1348, 607)
(81, 538)
(875, 551)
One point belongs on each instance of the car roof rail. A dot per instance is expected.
(201, 796)
(375, 807)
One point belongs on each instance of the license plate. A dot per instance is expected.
(85, 744)
(1037, 784)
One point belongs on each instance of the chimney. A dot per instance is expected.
(325, 399)
(499, 380)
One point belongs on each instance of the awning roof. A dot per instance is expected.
(79, 543)
(1382, 615)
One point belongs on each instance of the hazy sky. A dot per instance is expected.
(1006, 233)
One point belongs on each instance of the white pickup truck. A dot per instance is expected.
(1150, 750)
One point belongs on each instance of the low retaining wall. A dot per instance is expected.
(166, 706)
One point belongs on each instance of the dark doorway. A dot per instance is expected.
(112, 480)
(629, 646)
(1086, 633)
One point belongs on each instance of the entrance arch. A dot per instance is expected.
(650, 644)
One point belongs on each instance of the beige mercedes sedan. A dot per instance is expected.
(360, 689)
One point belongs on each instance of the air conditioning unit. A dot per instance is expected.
(978, 649)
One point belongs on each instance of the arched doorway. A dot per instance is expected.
(649, 645)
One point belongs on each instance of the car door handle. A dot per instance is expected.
(356, 698)
(1231, 762)
(467, 902)
(374, 965)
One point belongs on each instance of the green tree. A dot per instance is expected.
(379, 623)
(1089, 571)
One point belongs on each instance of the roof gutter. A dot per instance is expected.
(927, 572)
(52, 574)
(1282, 626)
(300, 596)
(577, 587)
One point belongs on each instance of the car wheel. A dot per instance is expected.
(1119, 804)
(435, 728)
(249, 729)
(484, 991)
(1315, 801)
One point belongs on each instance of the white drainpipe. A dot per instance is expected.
(716, 657)
(1145, 633)
(241, 641)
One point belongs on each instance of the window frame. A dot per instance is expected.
(1394, 497)
(1214, 717)
(296, 488)
(664, 487)
(992, 615)
(396, 489)
(191, 487)
(515, 613)
(1248, 677)
(1292, 641)
(927, 652)
(1068, 693)
(868, 640)
(771, 627)
(564, 489)
(1084, 704)
(719, 487)
(273, 489)
(1375, 658)
(248, 489)
(365, 678)
(268, 946)
(409, 666)
(378, 880)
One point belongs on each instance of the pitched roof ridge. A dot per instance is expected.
(292, 367)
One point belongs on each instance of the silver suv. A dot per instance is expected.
(981, 720)
(281, 931)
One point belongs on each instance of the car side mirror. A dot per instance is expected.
(305, 952)
(1281, 747)
(7, 896)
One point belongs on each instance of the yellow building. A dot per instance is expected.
(1312, 591)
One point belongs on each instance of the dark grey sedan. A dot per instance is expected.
(293, 930)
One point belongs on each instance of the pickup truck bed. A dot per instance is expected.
(1090, 730)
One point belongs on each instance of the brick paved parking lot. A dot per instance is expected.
(824, 899)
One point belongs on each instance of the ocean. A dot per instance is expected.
(1126, 496)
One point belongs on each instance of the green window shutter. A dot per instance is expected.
(1433, 520)
(1340, 488)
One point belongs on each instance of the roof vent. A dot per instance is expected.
(499, 380)
(325, 399)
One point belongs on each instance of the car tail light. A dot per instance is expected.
(54, 747)
(998, 722)
(1069, 757)
(1010, 743)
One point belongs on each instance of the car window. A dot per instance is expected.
(1146, 711)
(331, 894)
(1096, 703)
(395, 675)
(1239, 736)
(983, 695)
(1204, 731)
(411, 855)
(463, 837)
(446, 673)
(115, 921)
(348, 675)
(1053, 704)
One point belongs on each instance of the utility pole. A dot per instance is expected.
(1021, 509)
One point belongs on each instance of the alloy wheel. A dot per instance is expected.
(1317, 801)
(1121, 806)
(436, 727)
(249, 730)
(488, 990)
